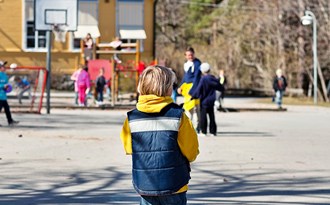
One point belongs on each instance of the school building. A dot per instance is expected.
(131, 20)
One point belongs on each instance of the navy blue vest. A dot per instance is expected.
(159, 168)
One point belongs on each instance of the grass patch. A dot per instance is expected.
(295, 101)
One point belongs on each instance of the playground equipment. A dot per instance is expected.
(116, 68)
(37, 77)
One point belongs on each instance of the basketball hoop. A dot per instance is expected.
(60, 32)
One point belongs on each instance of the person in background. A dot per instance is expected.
(22, 86)
(88, 47)
(116, 44)
(206, 93)
(161, 139)
(100, 84)
(3, 94)
(74, 77)
(279, 86)
(221, 94)
(83, 82)
(191, 78)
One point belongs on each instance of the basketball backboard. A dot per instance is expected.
(56, 12)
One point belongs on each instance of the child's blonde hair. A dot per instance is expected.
(156, 80)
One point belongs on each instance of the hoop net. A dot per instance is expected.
(31, 100)
(60, 32)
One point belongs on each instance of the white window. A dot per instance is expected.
(130, 16)
(33, 40)
(87, 18)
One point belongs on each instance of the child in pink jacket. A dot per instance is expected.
(83, 84)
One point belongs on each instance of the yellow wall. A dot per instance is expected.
(107, 20)
(10, 25)
(64, 61)
(149, 27)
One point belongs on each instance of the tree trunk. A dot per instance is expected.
(323, 86)
(301, 50)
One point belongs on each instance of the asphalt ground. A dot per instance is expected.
(76, 157)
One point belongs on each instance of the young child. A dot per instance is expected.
(88, 47)
(161, 140)
(221, 94)
(116, 44)
(206, 93)
(3, 94)
(22, 86)
(74, 77)
(100, 83)
(83, 83)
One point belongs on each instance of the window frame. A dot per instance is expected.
(119, 27)
(72, 38)
(25, 36)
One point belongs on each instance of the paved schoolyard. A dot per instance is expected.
(75, 157)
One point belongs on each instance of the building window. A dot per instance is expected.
(34, 40)
(130, 16)
(87, 16)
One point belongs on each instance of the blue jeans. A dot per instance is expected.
(174, 199)
(278, 99)
(100, 95)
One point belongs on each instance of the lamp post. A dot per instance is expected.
(308, 19)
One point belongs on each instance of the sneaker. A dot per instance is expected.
(202, 135)
(12, 123)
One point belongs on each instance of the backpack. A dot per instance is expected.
(280, 83)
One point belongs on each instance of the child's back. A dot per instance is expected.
(206, 90)
(160, 138)
(207, 95)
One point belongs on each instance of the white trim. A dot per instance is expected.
(24, 34)
(155, 124)
(82, 31)
(132, 34)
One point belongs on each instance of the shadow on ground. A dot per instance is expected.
(102, 187)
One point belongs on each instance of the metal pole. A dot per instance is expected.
(49, 49)
(314, 53)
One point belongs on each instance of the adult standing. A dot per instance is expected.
(3, 95)
(191, 78)
(279, 86)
